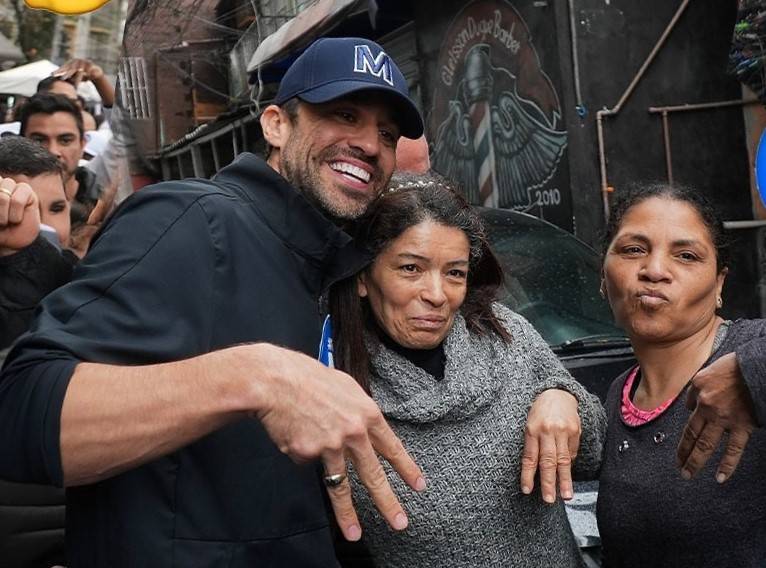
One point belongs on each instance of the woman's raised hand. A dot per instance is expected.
(721, 402)
(551, 439)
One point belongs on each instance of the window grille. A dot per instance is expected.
(133, 84)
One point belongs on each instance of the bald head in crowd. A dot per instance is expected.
(412, 155)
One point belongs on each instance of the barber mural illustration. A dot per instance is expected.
(497, 116)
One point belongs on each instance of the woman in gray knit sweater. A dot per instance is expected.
(455, 375)
(664, 271)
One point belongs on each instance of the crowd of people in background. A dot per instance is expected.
(59, 152)
(169, 377)
(55, 127)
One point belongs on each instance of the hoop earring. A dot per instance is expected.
(602, 290)
(719, 302)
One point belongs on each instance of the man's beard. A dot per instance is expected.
(308, 181)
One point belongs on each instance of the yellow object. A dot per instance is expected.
(70, 7)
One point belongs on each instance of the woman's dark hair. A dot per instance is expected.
(638, 193)
(410, 200)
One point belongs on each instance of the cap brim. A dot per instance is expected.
(408, 116)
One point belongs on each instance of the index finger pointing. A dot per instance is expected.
(529, 458)
(340, 498)
(734, 450)
(390, 447)
(706, 443)
(691, 432)
(548, 465)
(564, 463)
(372, 475)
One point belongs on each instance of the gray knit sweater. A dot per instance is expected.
(467, 433)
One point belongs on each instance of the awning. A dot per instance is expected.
(298, 33)
(23, 80)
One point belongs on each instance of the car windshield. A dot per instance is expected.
(552, 279)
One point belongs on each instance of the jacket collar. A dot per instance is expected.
(293, 219)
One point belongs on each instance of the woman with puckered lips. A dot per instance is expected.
(664, 271)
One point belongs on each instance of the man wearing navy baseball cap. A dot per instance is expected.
(335, 122)
(173, 386)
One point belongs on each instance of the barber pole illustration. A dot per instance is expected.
(478, 77)
(484, 152)
(496, 114)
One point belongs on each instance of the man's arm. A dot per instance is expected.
(67, 421)
(115, 418)
(554, 436)
(85, 70)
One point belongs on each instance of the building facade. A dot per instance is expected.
(96, 36)
(543, 106)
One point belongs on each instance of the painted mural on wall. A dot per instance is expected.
(496, 115)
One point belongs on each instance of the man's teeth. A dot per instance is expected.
(346, 168)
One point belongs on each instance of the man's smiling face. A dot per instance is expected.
(341, 154)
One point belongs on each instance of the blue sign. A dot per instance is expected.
(325, 344)
(760, 168)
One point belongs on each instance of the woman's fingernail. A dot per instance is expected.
(567, 494)
(400, 522)
(548, 498)
(354, 533)
(686, 474)
(525, 490)
(720, 478)
(420, 484)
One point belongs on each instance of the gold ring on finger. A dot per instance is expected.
(334, 480)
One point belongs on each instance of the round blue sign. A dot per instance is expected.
(760, 168)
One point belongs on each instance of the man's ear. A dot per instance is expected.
(361, 285)
(275, 125)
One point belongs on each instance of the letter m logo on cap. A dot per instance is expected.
(379, 66)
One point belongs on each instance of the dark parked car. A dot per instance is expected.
(552, 279)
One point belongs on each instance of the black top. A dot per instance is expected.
(32, 519)
(432, 360)
(88, 192)
(26, 277)
(31, 516)
(181, 269)
(649, 516)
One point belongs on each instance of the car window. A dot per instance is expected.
(551, 278)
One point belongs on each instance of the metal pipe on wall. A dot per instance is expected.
(575, 60)
(701, 106)
(666, 139)
(665, 110)
(600, 115)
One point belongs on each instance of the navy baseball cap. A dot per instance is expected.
(331, 68)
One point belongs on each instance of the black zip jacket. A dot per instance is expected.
(31, 516)
(26, 277)
(182, 269)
